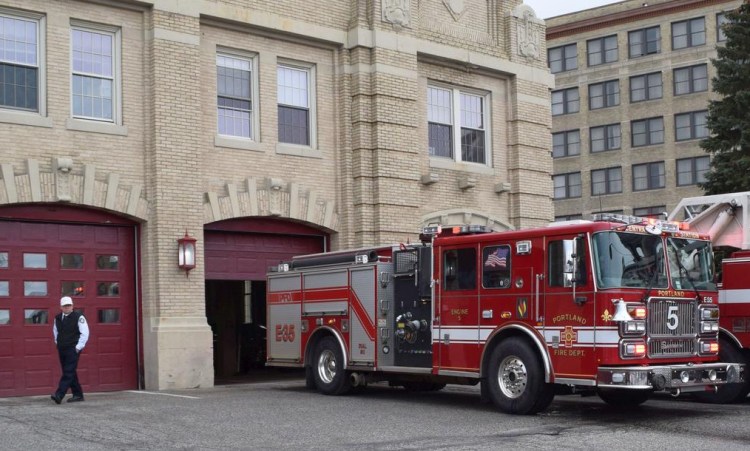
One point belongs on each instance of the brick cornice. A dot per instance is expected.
(595, 23)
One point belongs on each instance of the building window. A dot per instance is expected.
(605, 137)
(234, 89)
(648, 176)
(646, 132)
(688, 33)
(565, 101)
(606, 181)
(690, 79)
(605, 94)
(602, 50)
(295, 101)
(566, 144)
(567, 186)
(645, 87)
(644, 42)
(721, 19)
(563, 58)
(568, 217)
(691, 171)
(94, 53)
(19, 62)
(650, 212)
(449, 109)
(690, 125)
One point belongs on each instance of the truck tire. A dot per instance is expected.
(328, 368)
(620, 397)
(515, 378)
(730, 393)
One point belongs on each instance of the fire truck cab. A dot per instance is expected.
(618, 306)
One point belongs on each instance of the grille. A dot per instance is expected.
(405, 261)
(671, 347)
(666, 342)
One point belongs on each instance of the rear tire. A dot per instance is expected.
(328, 368)
(515, 378)
(730, 393)
(624, 398)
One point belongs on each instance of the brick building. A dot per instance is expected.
(632, 84)
(263, 130)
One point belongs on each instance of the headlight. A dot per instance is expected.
(632, 349)
(710, 313)
(635, 327)
(709, 347)
(708, 327)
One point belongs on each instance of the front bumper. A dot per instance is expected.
(671, 378)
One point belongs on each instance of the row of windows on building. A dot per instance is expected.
(457, 119)
(641, 42)
(605, 94)
(643, 132)
(645, 176)
(95, 77)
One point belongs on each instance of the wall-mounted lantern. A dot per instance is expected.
(186, 253)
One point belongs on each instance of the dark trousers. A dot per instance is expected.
(69, 378)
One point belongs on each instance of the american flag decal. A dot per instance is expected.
(498, 258)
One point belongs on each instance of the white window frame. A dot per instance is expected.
(34, 118)
(456, 125)
(310, 150)
(233, 141)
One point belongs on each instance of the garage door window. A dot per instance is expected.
(35, 316)
(34, 288)
(109, 316)
(71, 261)
(4, 288)
(4, 317)
(35, 261)
(72, 288)
(107, 289)
(3, 259)
(108, 262)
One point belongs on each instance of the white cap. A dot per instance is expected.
(66, 300)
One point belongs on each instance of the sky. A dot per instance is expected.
(551, 8)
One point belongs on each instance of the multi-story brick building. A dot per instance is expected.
(263, 130)
(632, 85)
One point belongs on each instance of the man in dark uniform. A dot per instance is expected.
(71, 332)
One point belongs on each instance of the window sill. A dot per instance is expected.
(299, 151)
(232, 142)
(25, 118)
(106, 128)
(444, 163)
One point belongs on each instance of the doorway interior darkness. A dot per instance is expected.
(236, 312)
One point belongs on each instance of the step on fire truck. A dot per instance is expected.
(617, 306)
(726, 218)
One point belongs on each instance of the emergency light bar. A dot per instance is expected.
(652, 225)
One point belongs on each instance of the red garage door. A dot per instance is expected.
(244, 249)
(40, 262)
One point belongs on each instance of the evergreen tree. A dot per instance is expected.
(729, 118)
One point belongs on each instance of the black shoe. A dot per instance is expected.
(56, 398)
(75, 399)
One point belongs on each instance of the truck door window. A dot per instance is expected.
(496, 267)
(565, 265)
(460, 269)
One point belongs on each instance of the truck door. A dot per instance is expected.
(569, 307)
(458, 309)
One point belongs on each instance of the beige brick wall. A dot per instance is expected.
(360, 182)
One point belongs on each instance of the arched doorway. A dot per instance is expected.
(238, 254)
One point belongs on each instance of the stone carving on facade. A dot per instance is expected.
(62, 175)
(456, 8)
(528, 32)
(397, 13)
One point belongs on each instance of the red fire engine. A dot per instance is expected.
(726, 218)
(619, 307)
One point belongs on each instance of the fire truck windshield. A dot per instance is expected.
(623, 259)
(690, 264)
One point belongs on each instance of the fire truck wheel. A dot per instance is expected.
(623, 397)
(516, 378)
(729, 393)
(328, 369)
